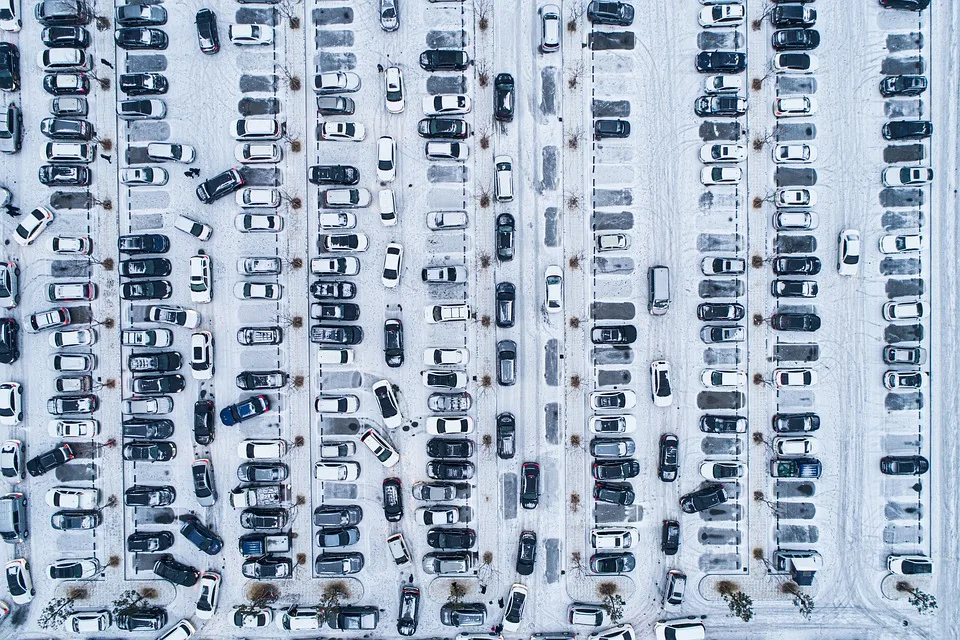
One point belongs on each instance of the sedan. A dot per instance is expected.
(796, 265)
(141, 38)
(452, 128)
(261, 449)
(75, 520)
(74, 569)
(794, 154)
(258, 291)
(32, 226)
(720, 175)
(336, 82)
(392, 265)
(250, 34)
(144, 176)
(904, 465)
(892, 244)
(393, 89)
(614, 334)
(258, 223)
(162, 451)
(707, 497)
(795, 40)
(907, 176)
(444, 275)
(711, 153)
(710, 311)
(722, 15)
(446, 151)
(717, 471)
(49, 460)
(894, 380)
(711, 378)
(893, 311)
(616, 469)
(795, 198)
(341, 131)
(848, 252)
(795, 377)
(721, 62)
(163, 152)
(447, 104)
(612, 400)
(553, 282)
(333, 538)
(612, 563)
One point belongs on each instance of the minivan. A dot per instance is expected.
(72, 152)
(658, 278)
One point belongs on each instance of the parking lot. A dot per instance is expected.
(628, 301)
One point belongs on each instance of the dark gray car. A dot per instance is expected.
(507, 363)
(337, 516)
(338, 564)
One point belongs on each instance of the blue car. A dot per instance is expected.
(249, 408)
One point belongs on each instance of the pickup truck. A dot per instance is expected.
(271, 495)
(258, 544)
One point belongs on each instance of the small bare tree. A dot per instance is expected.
(293, 80)
(802, 601)
(763, 140)
(574, 76)
(106, 204)
(576, 564)
(483, 137)
(757, 24)
(482, 10)
(923, 602)
(574, 138)
(574, 502)
(484, 259)
(574, 261)
(293, 139)
(483, 74)
(456, 593)
(292, 201)
(103, 82)
(485, 320)
(612, 602)
(290, 9)
(106, 144)
(574, 322)
(574, 202)
(575, 441)
(261, 594)
(575, 381)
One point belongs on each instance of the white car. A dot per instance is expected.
(386, 159)
(549, 28)
(722, 471)
(201, 355)
(722, 84)
(177, 316)
(19, 581)
(258, 291)
(613, 537)
(258, 153)
(194, 228)
(392, 265)
(345, 198)
(444, 220)
(794, 154)
(156, 405)
(907, 176)
(341, 131)
(258, 197)
(201, 279)
(73, 338)
(553, 282)
(164, 151)
(513, 611)
(258, 223)
(32, 226)
(157, 338)
(144, 176)
(446, 150)
(256, 129)
(337, 471)
(74, 568)
(10, 19)
(795, 107)
(796, 447)
(683, 629)
(909, 565)
(387, 199)
(387, 404)
(250, 34)
(81, 429)
(80, 362)
(349, 242)
(722, 15)
(13, 462)
(795, 377)
(393, 89)
(444, 275)
(437, 313)
(338, 220)
(903, 311)
(901, 244)
(660, 387)
(337, 404)
(612, 424)
(441, 425)
(437, 515)
(446, 105)
(711, 153)
(342, 266)
(795, 198)
(723, 378)
(848, 252)
(795, 220)
(209, 595)
(780, 65)
(619, 632)
(336, 82)
(334, 356)
(86, 622)
(720, 175)
(503, 178)
(723, 266)
(261, 449)
(612, 400)
(380, 448)
(612, 242)
(183, 630)
(73, 498)
(437, 356)
(73, 245)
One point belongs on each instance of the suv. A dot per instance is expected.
(503, 97)
(222, 184)
(168, 568)
(619, 14)
(907, 130)
(529, 485)
(52, 13)
(444, 60)
(9, 68)
(13, 518)
(207, 33)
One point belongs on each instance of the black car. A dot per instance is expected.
(207, 33)
(526, 552)
(723, 424)
(73, 37)
(906, 85)
(506, 436)
(450, 128)
(612, 563)
(158, 385)
(143, 84)
(444, 60)
(614, 334)
(610, 128)
(449, 448)
(220, 185)
(146, 290)
(793, 15)
(336, 311)
(668, 460)
(9, 66)
(614, 493)
(529, 485)
(76, 520)
(49, 460)
(904, 465)
(907, 130)
(616, 469)
(506, 363)
(796, 265)
(393, 342)
(144, 243)
(503, 97)
(141, 38)
(9, 341)
(615, 13)
(336, 106)
(670, 537)
(724, 106)
(141, 619)
(710, 495)
(149, 541)
(140, 495)
(342, 516)
(444, 470)
(159, 362)
(52, 85)
(141, 15)
(147, 428)
(345, 335)
(795, 321)
(907, 5)
(200, 536)
(145, 268)
(178, 573)
(506, 294)
(721, 62)
(795, 39)
(409, 613)
(795, 422)
(161, 451)
(203, 422)
(392, 499)
(506, 231)
(335, 290)
(259, 380)
(612, 447)
(262, 472)
(61, 175)
(707, 311)
(463, 614)
(451, 539)
(339, 174)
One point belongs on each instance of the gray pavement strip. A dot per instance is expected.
(709, 535)
(447, 173)
(61, 200)
(551, 415)
(904, 41)
(335, 61)
(721, 288)
(797, 534)
(340, 427)
(710, 131)
(258, 107)
(721, 356)
(904, 108)
(76, 472)
(611, 108)
(256, 15)
(145, 221)
(717, 562)
(902, 534)
(787, 307)
(789, 177)
(341, 380)
(625, 40)
(551, 362)
(613, 310)
(612, 355)
(785, 489)
(613, 377)
(796, 510)
(549, 77)
(551, 226)
(726, 512)
(795, 399)
(904, 401)
(162, 515)
(902, 511)
(605, 513)
(896, 333)
(783, 243)
(720, 446)
(145, 562)
(893, 220)
(796, 352)
(622, 265)
(261, 176)
(329, 38)
(718, 201)
(790, 131)
(147, 131)
(508, 486)
(727, 242)
(899, 65)
(552, 570)
(137, 155)
(787, 84)
(149, 199)
(900, 266)
(615, 221)
(901, 197)
(145, 63)
(446, 293)
(69, 268)
(903, 153)
(549, 159)
(719, 39)
(437, 85)
(337, 15)
(340, 491)
(612, 197)
(902, 287)
(447, 39)
(258, 83)
(720, 400)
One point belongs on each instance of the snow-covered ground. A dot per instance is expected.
(646, 186)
